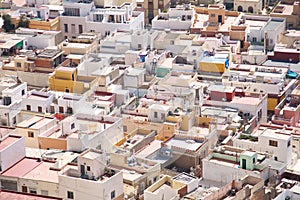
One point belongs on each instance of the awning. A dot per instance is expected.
(9, 44)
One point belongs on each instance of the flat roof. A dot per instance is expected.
(5, 195)
(49, 53)
(149, 149)
(131, 175)
(90, 155)
(67, 69)
(35, 122)
(8, 141)
(42, 172)
(184, 144)
(75, 56)
(246, 100)
(221, 88)
(273, 134)
(21, 168)
(184, 177)
(38, 96)
(159, 107)
(283, 9)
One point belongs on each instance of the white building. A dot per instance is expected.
(82, 16)
(269, 140)
(179, 18)
(228, 163)
(37, 101)
(158, 113)
(10, 104)
(12, 149)
(39, 39)
(91, 179)
(95, 131)
(134, 78)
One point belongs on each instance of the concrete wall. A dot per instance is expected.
(12, 153)
(92, 190)
(223, 173)
(32, 79)
(51, 187)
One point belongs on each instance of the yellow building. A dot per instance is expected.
(50, 25)
(211, 64)
(66, 79)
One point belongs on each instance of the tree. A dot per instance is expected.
(7, 25)
(24, 22)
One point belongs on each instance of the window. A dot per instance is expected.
(155, 114)
(155, 179)
(289, 143)
(30, 134)
(254, 39)
(61, 109)
(70, 195)
(253, 160)
(32, 190)
(19, 64)
(14, 120)
(273, 143)
(44, 192)
(73, 28)
(80, 29)
(24, 189)
(66, 28)
(139, 46)
(40, 109)
(72, 12)
(23, 92)
(212, 15)
(99, 18)
(28, 107)
(88, 168)
(72, 125)
(162, 116)
(52, 110)
(69, 110)
(113, 194)
(125, 128)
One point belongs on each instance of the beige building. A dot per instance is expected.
(85, 43)
(250, 6)
(32, 128)
(290, 10)
(151, 7)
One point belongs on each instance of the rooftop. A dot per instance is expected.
(283, 9)
(4, 195)
(10, 139)
(35, 122)
(185, 144)
(21, 168)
